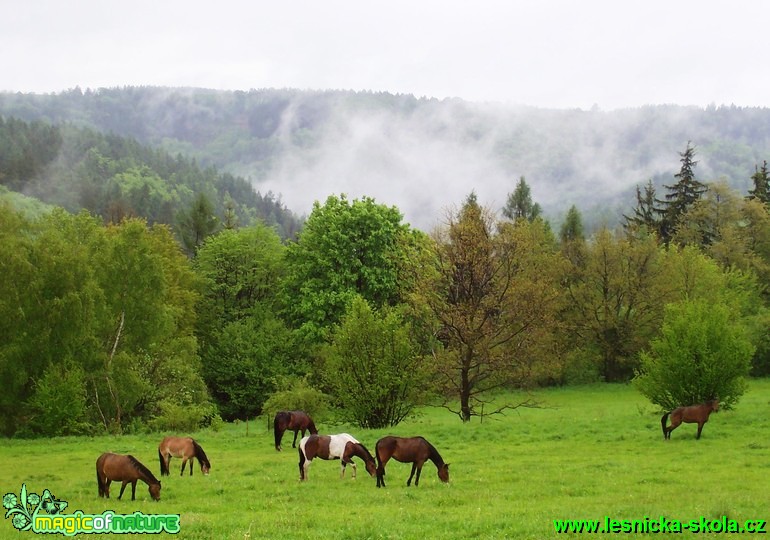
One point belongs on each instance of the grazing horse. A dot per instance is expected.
(293, 421)
(126, 469)
(693, 414)
(182, 447)
(414, 450)
(343, 447)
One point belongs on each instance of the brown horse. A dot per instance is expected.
(293, 421)
(182, 447)
(414, 450)
(693, 414)
(343, 447)
(126, 469)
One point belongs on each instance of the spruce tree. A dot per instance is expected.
(520, 205)
(761, 181)
(646, 213)
(681, 196)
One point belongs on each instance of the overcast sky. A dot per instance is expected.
(544, 53)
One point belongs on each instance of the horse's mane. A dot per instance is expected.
(200, 454)
(366, 450)
(434, 456)
(142, 469)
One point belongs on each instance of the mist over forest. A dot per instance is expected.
(422, 155)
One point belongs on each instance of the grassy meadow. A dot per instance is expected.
(589, 452)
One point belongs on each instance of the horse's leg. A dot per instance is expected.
(419, 470)
(184, 462)
(411, 474)
(674, 424)
(700, 428)
(107, 483)
(301, 466)
(294, 442)
(133, 490)
(122, 488)
(192, 461)
(381, 471)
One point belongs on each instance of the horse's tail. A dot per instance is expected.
(99, 481)
(163, 464)
(278, 430)
(663, 420)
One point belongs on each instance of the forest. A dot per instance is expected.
(146, 291)
(419, 154)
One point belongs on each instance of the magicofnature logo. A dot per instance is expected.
(44, 514)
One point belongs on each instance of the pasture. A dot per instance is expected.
(590, 452)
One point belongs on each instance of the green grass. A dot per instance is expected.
(591, 452)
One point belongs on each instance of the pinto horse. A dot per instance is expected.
(293, 421)
(693, 414)
(343, 447)
(126, 469)
(182, 447)
(414, 450)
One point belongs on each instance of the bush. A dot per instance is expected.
(372, 367)
(182, 417)
(58, 406)
(297, 395)
(703, 352)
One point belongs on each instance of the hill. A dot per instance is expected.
(419, 154)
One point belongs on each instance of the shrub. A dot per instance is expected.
(703, 352)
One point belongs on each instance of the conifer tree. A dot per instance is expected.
(761, 181)
(645, 213)
(681, 196)
(520, 205)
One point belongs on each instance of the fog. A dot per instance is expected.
(429, 159)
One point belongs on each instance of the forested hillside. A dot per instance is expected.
(417, 153)
(115, 176)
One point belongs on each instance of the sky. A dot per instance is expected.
(543, 53)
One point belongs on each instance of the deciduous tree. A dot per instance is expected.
(494, 294)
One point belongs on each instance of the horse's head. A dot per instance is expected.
(714, 404)
(205, 468)
(155, 491)
(443, 472)
(371, 467)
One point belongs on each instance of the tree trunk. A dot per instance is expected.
(465, 387)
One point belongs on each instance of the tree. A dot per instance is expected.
(96, 321)
(519, 204)
(147, 352)
(195, 224)
(345, 249)
(616, 296)
(702, 353)
(646, 215)
(244, 345)
(681, 195)
(372, 367)
(493, 292)
(761, 182)
(572, 228)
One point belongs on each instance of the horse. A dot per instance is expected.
(186, 448)
(343, 447)
(294, 421)
(126, 469)
(692, 414)
(414, 450)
